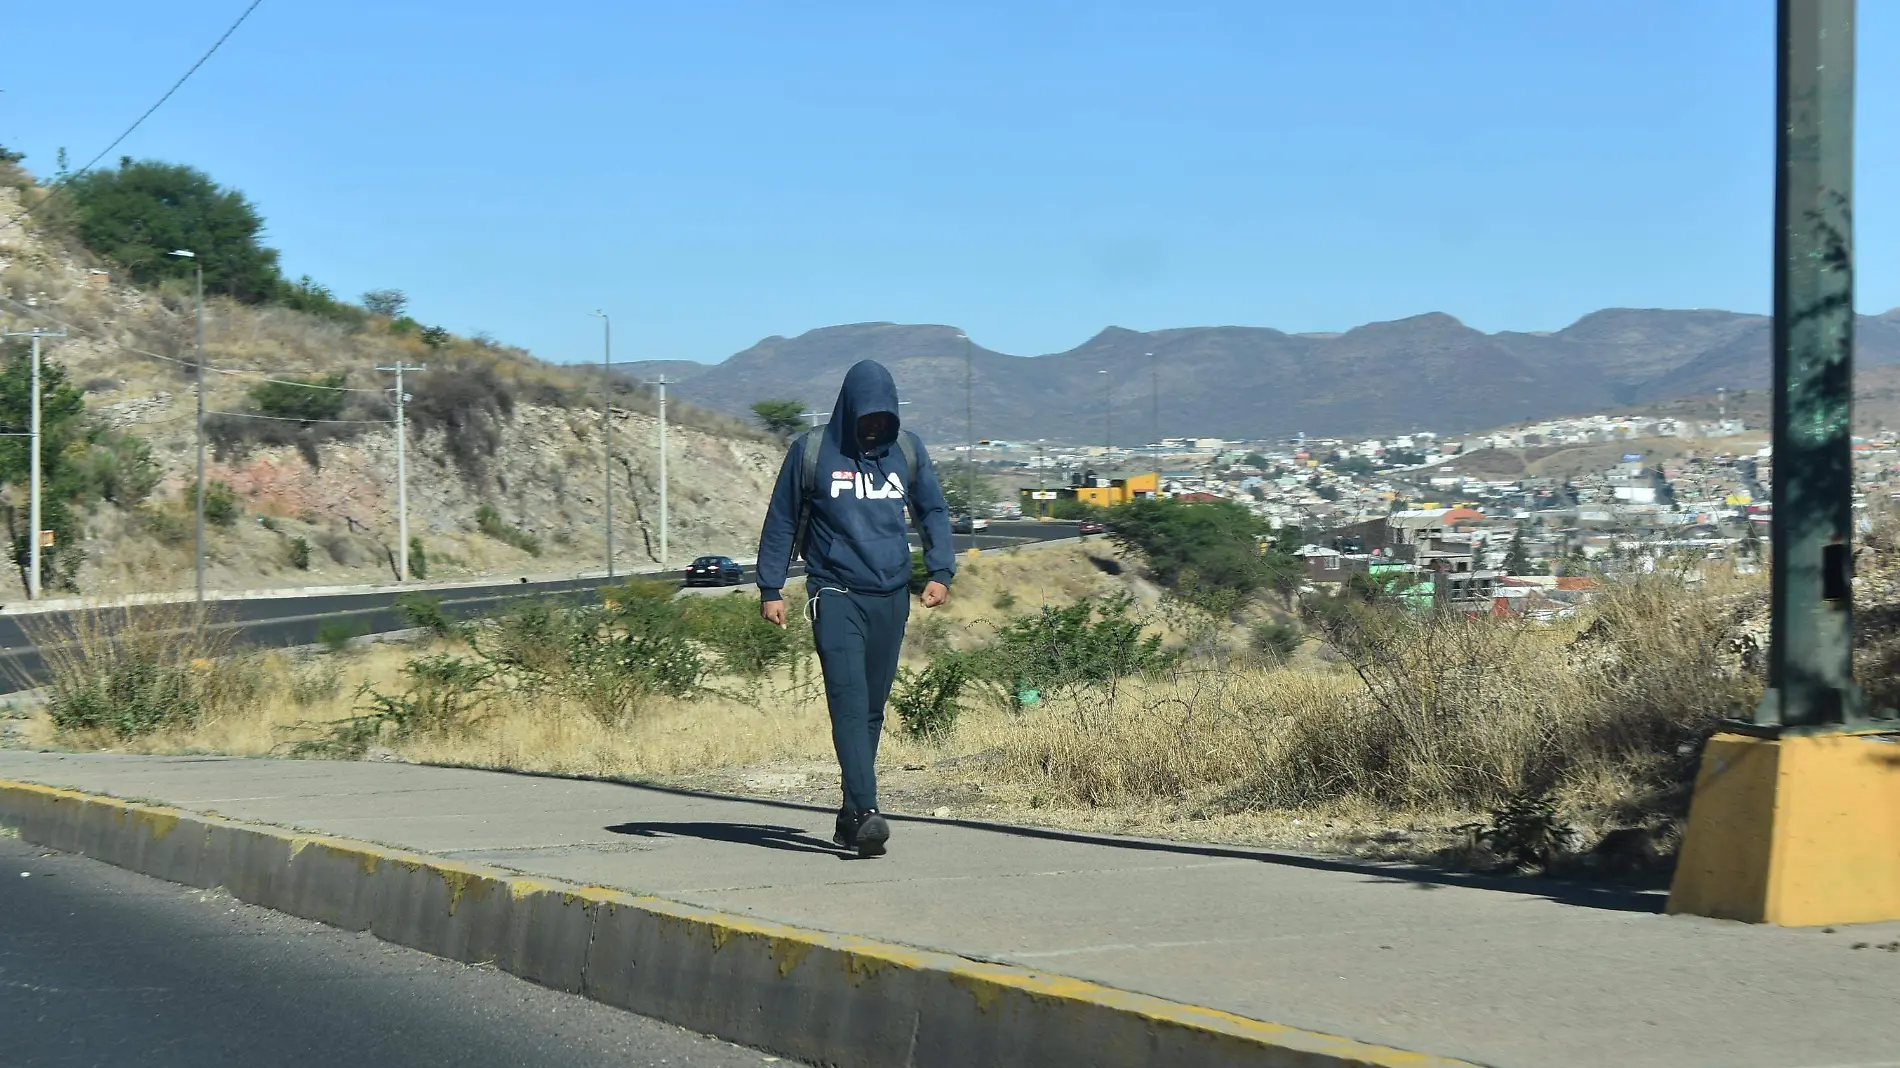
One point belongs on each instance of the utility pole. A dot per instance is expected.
(402, 470)
(607, 424)
(662, 384)
(1810, 659)
(1154, 374)
(1790, 806)
(35, 535)
(1108, 412)
(969, 435)
(198, 527)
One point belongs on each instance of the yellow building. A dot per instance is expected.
(1097, 492)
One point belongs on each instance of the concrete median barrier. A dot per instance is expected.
(829, 998)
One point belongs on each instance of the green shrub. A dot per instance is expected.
(443, 695)
(336, 634)
(300, 553)
(1070, 508)
(1210, 553)
(425, 612)
(784, 419)
(1274, 639)
(747, 646)
(608, 659)
(127, 700)
(117, 467)
(1090, 642)
(418, 558)
(309, 297)
(292, 398)
(221, 503)
(926, 702)
(488, 520)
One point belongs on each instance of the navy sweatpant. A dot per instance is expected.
(858, 636)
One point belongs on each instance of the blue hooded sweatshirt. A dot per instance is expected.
(856, 538)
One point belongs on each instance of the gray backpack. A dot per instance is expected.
(808, 444)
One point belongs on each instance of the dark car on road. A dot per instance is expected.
(1091, 526)
(714, 571)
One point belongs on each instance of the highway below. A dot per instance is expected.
(279, 622)
(99, 966)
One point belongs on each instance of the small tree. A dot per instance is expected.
(781, 417)
(418, 558)
(968, 494)
(388, 303)
(221, 503)
(1518, 560)
(435, 336)
(293, 398)
(140, 212)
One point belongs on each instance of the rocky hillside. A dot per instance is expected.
(1429, 371)
(489, 426)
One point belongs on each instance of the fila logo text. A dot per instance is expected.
(865, 488)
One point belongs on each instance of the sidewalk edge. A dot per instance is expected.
(822, 997)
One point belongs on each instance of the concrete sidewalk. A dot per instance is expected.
(1528, 975)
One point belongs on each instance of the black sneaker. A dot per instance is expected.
(873, 832)
(846, 832)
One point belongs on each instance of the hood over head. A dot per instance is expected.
(868, 387)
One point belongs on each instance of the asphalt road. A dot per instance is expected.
(99, 966)
(286, 621)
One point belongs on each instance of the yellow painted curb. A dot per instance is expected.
(1799, 831)
(834, 999)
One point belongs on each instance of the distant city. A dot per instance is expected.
(1510, 519)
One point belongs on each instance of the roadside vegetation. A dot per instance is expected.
(1075, 686)
(83, 467)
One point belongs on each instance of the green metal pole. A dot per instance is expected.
(1811, 657)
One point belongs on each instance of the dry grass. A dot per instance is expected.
(1416, 728)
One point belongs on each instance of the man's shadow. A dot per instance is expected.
(789, 839)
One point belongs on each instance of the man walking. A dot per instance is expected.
(840, 503)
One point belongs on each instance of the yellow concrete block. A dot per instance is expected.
(1795, 831)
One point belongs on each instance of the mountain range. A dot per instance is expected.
(1428, 372)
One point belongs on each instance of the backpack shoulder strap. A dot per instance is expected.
(808, 448)
(908, 445)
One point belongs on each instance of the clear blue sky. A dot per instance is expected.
(715, 173)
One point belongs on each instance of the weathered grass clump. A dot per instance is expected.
(126, 672)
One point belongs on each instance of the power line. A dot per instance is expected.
(294, 419)
(68, 180)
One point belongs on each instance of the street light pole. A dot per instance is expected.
(1154, 375)
(663, 556)
(1811, 650)
(402, 469)
(1108, 412)
(198, 525)
(33, 506)
(969, 435)
(1791, 819)
(607, 424)
(35, 546)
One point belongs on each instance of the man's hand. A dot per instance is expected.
(773, 612)
(935, 594)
